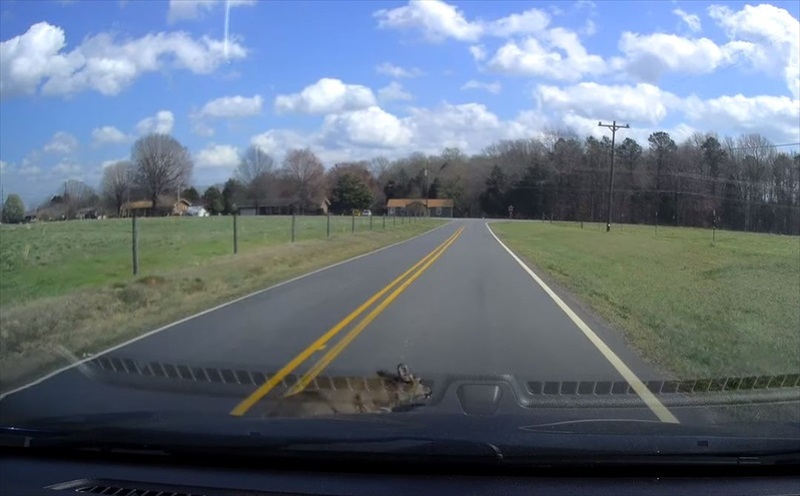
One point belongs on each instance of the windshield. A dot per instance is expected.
(496, 221)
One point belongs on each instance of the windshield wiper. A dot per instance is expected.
(509, 440)
(250, 444)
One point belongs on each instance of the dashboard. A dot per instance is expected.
(132, 474)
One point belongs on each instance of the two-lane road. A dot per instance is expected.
(452, 301)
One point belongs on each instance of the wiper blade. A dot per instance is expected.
(252, 444)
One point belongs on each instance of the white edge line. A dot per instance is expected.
(207, 311)
(638, 386)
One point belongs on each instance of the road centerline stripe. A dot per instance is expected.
(334, 352)
(638, 386)
(275, 379)
(277, 285)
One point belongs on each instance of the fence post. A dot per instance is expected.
(353, 222)
(329, 225)
(402, 219)
(656, 222)
(235, 235)
(394, 220)
(370, 222)
(713, 226)
(135, 244)
(384, 221)
(292, 228)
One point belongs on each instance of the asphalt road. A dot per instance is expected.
(474, 311)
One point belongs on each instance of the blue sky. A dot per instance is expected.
(79, 81)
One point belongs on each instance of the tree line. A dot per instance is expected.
(744, 183)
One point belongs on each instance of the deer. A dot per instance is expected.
(384, 393)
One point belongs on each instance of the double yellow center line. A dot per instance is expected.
(401, 283)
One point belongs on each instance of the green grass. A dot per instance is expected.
(697, 309)
(54, 258)
(114, 306)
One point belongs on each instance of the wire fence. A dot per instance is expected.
(198, 237)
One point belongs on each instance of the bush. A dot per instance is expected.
(13, 210)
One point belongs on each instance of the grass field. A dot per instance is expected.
(697, 309)
(49, 259)
(69, 284)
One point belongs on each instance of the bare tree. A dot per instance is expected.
(161, 163)
(379, 166)
(306, 174)
(74, 196)
(255, 172)
(116, 183)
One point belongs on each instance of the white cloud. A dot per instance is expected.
(325, 96)
(771, 39)
(471, 127)
(62, 142)
(776, 116)
(468, 126)
(642, 103)
(277, 141)
(393, 92)
(589, 28)
(691, 20)
(562, 57)
(200, 128)
(438, 20)
(528, 22)
(648, 56)
(493, 87)
(217, 156)
(108, 135)
(394, 71)
(112, 161)
(160, 123)
(647, 108)
(5, 167)
(67, 169)
(100, 63)
(478, 52)
(371, 127)
(233, 106)
(366, 133)
(30, 170)
(765, 37)
(187, 10)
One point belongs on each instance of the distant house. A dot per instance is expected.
(197, 211)
(89, 213)
(181, 206)
(144, 208)
(283, 206)
(54, 211)
(437, 207)
(31, 216)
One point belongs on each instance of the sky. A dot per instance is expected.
(80, 81)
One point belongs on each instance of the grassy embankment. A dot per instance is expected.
(697, 309)
(70, 283)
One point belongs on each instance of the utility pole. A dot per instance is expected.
(613, 126)
(427, 185)
(427, 210)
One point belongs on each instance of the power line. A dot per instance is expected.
(646, 173)
(762, 146)
(668, 191)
